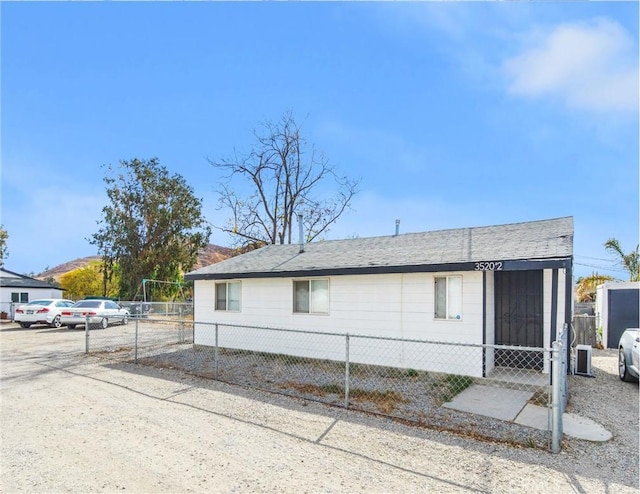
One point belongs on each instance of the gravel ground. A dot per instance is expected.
(72, 423)
(614, 404)
(415, 398)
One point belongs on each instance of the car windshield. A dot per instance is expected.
(40, 302)
(89, 304)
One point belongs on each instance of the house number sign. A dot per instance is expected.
(489, 266)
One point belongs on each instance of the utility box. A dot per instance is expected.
(583, 360)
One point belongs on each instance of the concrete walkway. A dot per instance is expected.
(513, 406)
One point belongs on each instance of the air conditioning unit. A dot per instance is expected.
(583, 360)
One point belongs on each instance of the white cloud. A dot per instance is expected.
(590, 65)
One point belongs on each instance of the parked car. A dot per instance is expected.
(629, 355)
(100, 312)
(41, 311)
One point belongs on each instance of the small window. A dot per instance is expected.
(228, 296)
(22, 297)
(448, 297)
(311, 296)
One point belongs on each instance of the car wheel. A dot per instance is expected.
(56, 322)
(104, 323)
(622, 367)
(125, 320)
(25, 324)
(71, 326)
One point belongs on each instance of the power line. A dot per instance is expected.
(595, 258)
(616, 269)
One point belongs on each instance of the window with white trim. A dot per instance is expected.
(311, 296)
(448, 297)
(228, 296)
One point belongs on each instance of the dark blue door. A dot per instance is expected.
(623, 313)
(519, 318)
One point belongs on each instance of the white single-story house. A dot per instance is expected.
(617, 308)
(495, 285)
(16, 289)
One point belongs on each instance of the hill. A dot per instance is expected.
(209, 255)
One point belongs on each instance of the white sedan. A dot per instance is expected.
(629, 355)
(41, 311)
(100, 312)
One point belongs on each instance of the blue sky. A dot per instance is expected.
(452, 114)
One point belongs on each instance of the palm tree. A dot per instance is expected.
(630, 261)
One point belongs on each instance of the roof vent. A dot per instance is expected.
(397, 228)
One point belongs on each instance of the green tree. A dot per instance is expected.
(153, 227)
(51, 280)
(630, 261)
(87, 281)
(286, 179)
(4, 253)
(586, 286)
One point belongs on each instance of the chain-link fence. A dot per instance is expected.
(409, 380)
(123, 340)
(183, 310)
(6, 310)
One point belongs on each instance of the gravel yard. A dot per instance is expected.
(72, 423)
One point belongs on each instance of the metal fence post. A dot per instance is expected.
(215, 354)
(564, 369)
(86, 335)
(135, 357)
(556, 408)
(181, 331)
(346, 372)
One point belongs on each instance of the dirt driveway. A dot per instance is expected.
(72, 423)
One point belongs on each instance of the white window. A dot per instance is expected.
(311, 296)
(448, 297)
(228, 296)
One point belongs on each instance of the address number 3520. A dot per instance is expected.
(489, 266)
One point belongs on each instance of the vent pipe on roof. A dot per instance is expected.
(301, 234)
(397, 228)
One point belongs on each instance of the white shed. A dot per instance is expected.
(617, 306)
(506, 284)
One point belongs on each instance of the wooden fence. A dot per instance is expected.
(585, 329)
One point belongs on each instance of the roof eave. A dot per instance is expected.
(510, 265)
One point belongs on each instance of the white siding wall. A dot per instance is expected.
(490, 305)
(560, 314)
(34, 293)
(386, 305)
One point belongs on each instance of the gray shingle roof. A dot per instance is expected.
(24, 282)
(536, 240)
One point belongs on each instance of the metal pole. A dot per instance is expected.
(181, 331)
(346, 373)
(565, 367)
(215, 354)
(86, 335)
(556, 409)
(135, 357)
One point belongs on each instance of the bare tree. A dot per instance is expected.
(285, 179)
